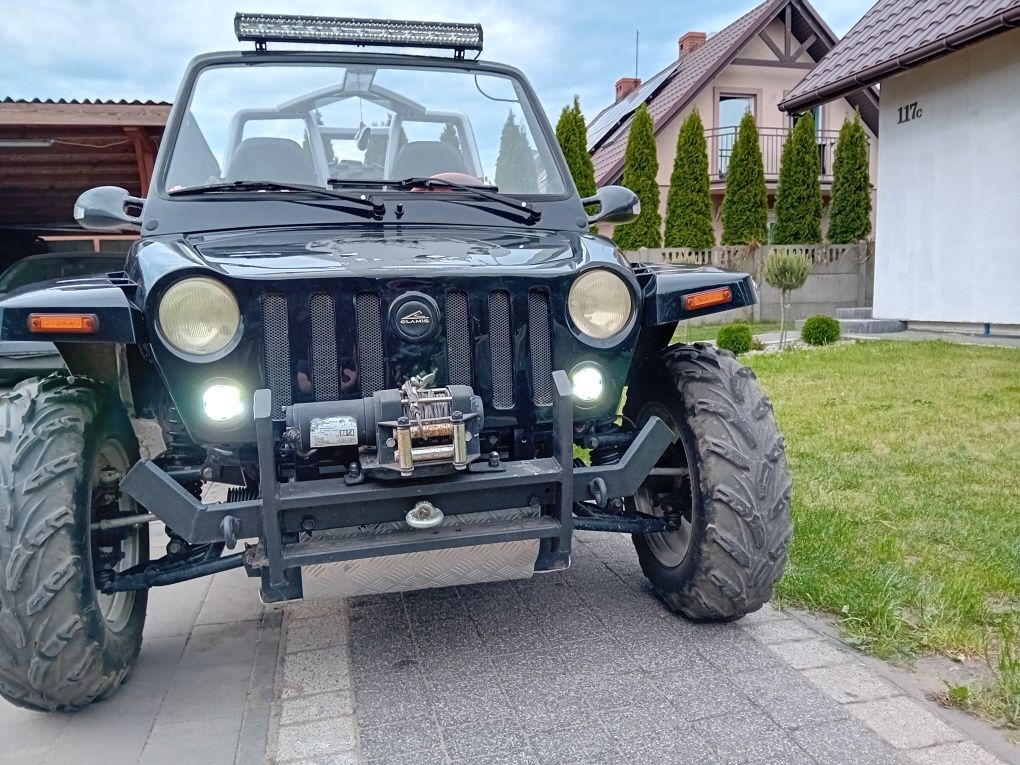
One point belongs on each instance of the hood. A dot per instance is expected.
(374, 253)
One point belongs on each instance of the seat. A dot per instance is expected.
(271, 159)
(423, 159)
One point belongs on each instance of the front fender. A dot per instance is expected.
(118, 320)
(664, 287)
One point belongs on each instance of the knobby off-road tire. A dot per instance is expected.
(735, 503)
(59, 651)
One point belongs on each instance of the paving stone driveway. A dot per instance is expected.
(583, 667)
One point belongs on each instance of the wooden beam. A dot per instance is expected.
(803, 47)
(84, 114)
(768, 41)
(780, 64)
(787, 31)
(145, 154)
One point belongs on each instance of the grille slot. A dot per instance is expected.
(322, 314)
(276, 347)
(540, 345)
(458, 338)
(370, 346)
(501, 350)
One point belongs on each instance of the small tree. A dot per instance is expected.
(850, 209)
(745, 210)
(689, 204)
(641, 168)
(450, 136)
(798, 196)
(572, 135)
(515, 165)
(786, 272)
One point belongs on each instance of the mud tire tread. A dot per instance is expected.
(56, 653)
(742, 524)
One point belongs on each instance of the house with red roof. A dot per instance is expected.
(751, 65)
(947, 248)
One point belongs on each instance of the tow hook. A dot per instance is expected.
(424, 515)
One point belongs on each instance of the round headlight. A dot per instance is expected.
(199, 316)
(599, 303)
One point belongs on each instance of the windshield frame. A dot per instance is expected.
(165, 214)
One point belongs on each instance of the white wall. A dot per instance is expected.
(948, 228)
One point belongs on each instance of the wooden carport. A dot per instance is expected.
(51, 151)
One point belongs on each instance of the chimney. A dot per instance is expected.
(691, 41)
(626, 85)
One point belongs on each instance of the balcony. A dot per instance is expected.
(771, 140)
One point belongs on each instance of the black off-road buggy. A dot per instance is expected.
(366, 298)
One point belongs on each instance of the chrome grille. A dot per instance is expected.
(458, 338)
(322, 315)
(501, 350)
(372, 371)
(540, 345)
(276, 347)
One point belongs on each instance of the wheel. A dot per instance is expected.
(724, 482)
(64, 445)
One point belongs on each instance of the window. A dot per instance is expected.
(732, 108)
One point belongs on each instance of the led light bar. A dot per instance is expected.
(261, 28)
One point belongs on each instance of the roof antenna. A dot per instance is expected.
(637, 37)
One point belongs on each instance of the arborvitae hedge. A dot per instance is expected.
(745, 210)
(850, 209)
(572, 134)
(515, 165)
(799, 196)
(639, 175)
(689, 204)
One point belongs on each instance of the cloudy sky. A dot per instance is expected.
(138, 49)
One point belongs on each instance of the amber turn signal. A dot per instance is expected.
(716, 296)
(63, 323)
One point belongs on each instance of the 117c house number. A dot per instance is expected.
(909, 112)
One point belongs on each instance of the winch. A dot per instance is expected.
(401, 430)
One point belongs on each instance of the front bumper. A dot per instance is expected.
(286, 516)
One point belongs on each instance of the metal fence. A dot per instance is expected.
(771, 140)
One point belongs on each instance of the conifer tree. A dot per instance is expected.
(850, 208)
(689, 204)
(640, 171)
(450, 136)
(745, 210)
(515, 166)
(799, 196)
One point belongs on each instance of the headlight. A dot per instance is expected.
(199, 316)
(222, 402)
(588, 383)
(599, 303)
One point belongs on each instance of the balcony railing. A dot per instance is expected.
(771, 139)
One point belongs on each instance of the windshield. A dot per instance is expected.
(325, 124)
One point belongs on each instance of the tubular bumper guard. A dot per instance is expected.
(284, 510)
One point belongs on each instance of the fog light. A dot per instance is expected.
(588, 383)
(222, 402)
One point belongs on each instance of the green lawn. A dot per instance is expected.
(906, 466)
(690, 333)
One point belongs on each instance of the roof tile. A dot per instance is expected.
(894, 30)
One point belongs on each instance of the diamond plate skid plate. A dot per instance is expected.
(421, 570)
(429, 568)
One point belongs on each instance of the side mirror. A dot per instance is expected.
(108, 208)
(616, 205)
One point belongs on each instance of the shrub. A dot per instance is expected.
(799, 196)
(786, 272)
(641, 167)
(850, 208)
(745, 208)
(689, 205)
(820, 330)
(735, 337)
